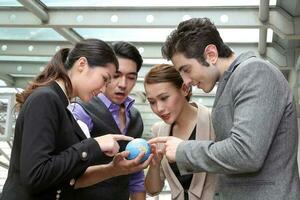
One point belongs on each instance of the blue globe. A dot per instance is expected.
(136, 146)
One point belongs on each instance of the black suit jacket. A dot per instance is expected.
(49, 149)
(115, 188)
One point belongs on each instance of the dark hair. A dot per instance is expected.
(191, 37)
(127, 50)
(97, 53)
(165, 73)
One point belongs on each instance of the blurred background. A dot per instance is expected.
(31, 31)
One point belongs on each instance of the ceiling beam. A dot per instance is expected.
(36, 8)
(93, 17)
(69, 34)
(39, 11)
(165, 17)
(150, 50)
(7, 79)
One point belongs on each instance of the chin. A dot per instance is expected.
(86, 99)
(168, 121)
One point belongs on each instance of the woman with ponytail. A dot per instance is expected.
(51, 156)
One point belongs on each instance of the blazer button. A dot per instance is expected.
(84, 155)
(72, 182)
(57, 196)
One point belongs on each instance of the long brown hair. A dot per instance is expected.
(97, 53)
(165, 73)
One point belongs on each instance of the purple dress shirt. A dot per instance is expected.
(136, 183)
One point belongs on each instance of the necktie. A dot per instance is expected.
(122, 117)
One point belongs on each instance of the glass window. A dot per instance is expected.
(30, 34)
(152, 3)
(9, 3)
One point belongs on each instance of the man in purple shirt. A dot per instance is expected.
(112, 111)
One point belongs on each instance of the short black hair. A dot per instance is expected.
(127, 50)
(191, 38)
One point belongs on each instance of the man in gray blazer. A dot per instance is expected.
(254, 117)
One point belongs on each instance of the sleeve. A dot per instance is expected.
(42, 165)
(259, 98)
(137, 182)
(80, 114)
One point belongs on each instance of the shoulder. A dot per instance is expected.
(43, 96)
(157, 126)
(258, 68)
(202, 110)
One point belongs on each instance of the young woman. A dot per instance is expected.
(51, 155)
(169, 99)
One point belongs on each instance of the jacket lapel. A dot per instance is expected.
(224, 79)
(202, 133)
(65, 102)
(75, 126)
(107, 116)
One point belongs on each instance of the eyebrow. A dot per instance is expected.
(130, 73)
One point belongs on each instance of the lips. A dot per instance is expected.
(165, 116)
(120, 94)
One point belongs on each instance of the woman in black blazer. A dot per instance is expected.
(51, 155)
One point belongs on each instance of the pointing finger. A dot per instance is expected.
(122, 137)
(158, 140)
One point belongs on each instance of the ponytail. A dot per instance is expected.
(97, 52)
(54, 70)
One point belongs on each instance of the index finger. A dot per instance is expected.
(158, 140)
(122, 137)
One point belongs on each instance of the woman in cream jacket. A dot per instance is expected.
(169, 99)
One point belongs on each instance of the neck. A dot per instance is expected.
(188, 114)
(224, 63)
(62, 86)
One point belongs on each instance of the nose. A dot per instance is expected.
(187, 80)
(122, 82)
(160, 107)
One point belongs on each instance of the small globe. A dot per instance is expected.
(136, 146)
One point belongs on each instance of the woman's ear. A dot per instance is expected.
(82, 64)
(185, 89)
(211, 54)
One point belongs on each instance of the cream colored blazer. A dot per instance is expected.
(203, 184)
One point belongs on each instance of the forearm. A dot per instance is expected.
(95, 174)
(152, 182)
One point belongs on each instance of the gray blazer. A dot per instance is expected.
(255, 123)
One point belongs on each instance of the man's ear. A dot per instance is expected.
(211, 53)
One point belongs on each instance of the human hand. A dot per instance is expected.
(123, 166)
(108, 143)
(157, 155)
(171, 143)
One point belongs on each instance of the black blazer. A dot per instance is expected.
(49, 149)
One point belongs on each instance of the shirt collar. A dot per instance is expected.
(63, 88)
(110, 105)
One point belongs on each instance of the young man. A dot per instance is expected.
(112, 112)
(254, 117)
